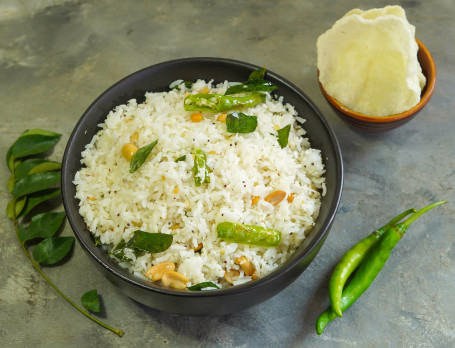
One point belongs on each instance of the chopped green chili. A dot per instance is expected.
(200, 169)
(181, 158)
(256, 85)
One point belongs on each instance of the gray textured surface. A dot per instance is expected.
(57, 56)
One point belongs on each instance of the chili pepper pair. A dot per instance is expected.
(367, 258)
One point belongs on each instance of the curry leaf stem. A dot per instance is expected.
(40, 271)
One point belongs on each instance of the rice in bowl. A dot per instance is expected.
(161, 196)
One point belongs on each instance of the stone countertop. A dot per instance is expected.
(57, 56)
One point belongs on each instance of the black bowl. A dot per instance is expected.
(215, 302)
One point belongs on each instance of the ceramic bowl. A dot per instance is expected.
(384, 123)
(214, 302)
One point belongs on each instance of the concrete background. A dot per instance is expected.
(57, 56)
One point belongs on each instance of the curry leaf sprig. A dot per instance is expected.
(255, 82)
(35, 180)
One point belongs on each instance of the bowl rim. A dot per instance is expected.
(282, 269)
(428, 92)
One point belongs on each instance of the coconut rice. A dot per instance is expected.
(161, 196)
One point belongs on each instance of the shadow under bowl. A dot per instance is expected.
(384, 123)
(157, 78)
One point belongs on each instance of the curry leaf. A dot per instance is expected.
(238, 122)
(119, 251)
(10, 207)
(91, 302)
(32, 143)
(52, 250)
(203, 285)
(150, 242)
(283, 136)
(140, 156)
(35, 182)
(97, 240)
(20, 204)
(255, 83)
(187, 84)
(35, 199)
(43, 225)
(257, 74)
(10, 159)
(14, 207)
(10, 183)
(35, 165)
(39, 131)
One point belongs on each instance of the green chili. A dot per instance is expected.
(247, 234)
(181, 158)
(371, 266)
(200, 169)
(219, 103)
(351, 260)
(257, 85)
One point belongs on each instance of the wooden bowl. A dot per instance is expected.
(384, 123)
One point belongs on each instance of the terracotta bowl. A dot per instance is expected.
(384, 123)
(157, 78)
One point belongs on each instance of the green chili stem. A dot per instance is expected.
(395, 220)
(40, 271)
(414, 217)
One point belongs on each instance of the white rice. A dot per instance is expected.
(161, 196)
